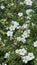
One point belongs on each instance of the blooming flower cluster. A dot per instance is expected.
(25, 58)
(12, 28)
(28, 11)
(23, 37)
(21, 51)
(28, 2)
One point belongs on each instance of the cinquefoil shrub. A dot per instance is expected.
(18, 32)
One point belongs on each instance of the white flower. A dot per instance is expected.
(23, 36)
(28, 21)
(7, 55)
(35, 44)
(25, 59)
(17, 51)
(15, 25)
(9, 33)
(5, 64)
(28, 17)
(28, 31)
(26, 34)
(3, 44)
(2, 6)
(20, 14)
(12, 4)
(24, 26)
(30, 56)
(11, 28)
(22, 39)
(21, 51)
(28, 11)
(28, 2)
(18, 38)
(33, 24)
(18, 27)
